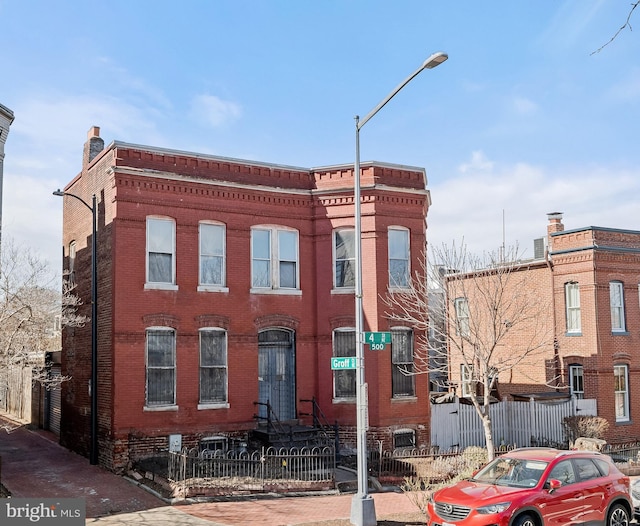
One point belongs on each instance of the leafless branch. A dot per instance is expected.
(622, 28)
(481, 312)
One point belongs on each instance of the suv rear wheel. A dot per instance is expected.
(618, 516)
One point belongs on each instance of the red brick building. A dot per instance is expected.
(590, 278)
(223, 283)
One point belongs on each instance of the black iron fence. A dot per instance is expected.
(195, 472)
(429, 464)
(622, 453)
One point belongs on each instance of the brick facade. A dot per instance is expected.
(135, 182)
(590, 259)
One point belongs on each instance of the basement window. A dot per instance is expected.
(404, 438)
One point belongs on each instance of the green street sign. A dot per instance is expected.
(346, 362)
(377, 341)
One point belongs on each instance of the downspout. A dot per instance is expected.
(595, 293)
(556, 344)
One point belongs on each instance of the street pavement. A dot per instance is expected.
(35, 465)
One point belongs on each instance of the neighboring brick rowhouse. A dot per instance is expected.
(133, 183)
(592, 277)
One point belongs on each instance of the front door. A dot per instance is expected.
(276, 373)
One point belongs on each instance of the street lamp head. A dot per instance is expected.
(59, 193)
(435, 60)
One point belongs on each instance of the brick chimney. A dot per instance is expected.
(93, 146)
(555, 222)
(555, 225)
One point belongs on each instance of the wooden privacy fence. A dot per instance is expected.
(15, 391)
(195, 472)
(523, 423)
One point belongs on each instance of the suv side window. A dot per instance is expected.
(603, 466)
(587, 470)
(563, 471)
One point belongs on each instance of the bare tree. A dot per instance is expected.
(32, 313)
(627, 24)
(482, 313)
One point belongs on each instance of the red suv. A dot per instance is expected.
(537, 487)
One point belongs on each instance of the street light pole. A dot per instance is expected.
(93, 450)
(363, 511)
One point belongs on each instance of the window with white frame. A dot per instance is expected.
(398, 257)
(462, 316)
(344, 380)
(274, 258)
(161, 367)
(344, 258)
(616, 298)
(576, 380)
(621, 383)
(212, 254)
(213, 366)
(572, 302)
(467, 384)
(161, 242)
(402, 367)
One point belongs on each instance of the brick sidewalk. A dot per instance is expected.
(35, 465)
(289, 511)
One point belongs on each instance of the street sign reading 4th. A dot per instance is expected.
(377, 341)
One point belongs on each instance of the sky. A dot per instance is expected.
(529, 115)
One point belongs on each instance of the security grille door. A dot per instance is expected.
(55, 401)
(276, 373)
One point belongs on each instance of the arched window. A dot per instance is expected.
(344, 258)
(161, 246)
(616, 298)
(398, 243)
(576, 380)
(72, 263)
(161, 367)
(213, 366)
(344, 380)
(402, 377)
(274, 258)
(621, 392)
(212, 244)
(572, 303)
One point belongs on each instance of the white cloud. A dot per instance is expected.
(32, 216)
(56, 124)
(472, 204)
(213, 111)
(478, 163)
(133, 85)
(628, 90)
(44, 152)
(572, 20)
(524, 106)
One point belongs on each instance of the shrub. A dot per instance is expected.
(584, 426)
(445, 470)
